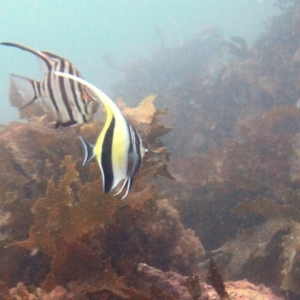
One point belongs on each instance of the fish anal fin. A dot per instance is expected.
(88, 150)
(125, 182)
(21, 91)
(128, 187)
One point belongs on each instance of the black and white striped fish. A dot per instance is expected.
(70, 102)
(119, 149)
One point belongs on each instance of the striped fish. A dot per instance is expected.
(70, 102)
(119, 150)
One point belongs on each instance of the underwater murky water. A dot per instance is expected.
(102, 37)
(211, 210)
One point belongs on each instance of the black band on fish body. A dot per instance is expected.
(63, 92)
(67, 124)
(134, 153)
(38, 89)
(106, 157)
(72, 84)
(50, 91)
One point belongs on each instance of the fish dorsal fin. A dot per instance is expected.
(88, 150)
(110, 105)
(49, 59)
(42, 55)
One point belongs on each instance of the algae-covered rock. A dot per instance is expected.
(241, 290)
(55, 218)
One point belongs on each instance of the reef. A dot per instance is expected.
(214, 212)
(157, 285)
(234, 144)
(241, 290)
(61, 234)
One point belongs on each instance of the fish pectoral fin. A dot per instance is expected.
(23, 87)
(88, 150)
(85, 96)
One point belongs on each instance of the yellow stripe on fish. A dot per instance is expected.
(118, 150)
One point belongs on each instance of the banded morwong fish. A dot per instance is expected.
(119, 150)
(68, 101)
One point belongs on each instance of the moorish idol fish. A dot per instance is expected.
(70, 102)
(119, 150)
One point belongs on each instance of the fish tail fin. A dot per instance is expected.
(22, 92)
(88, 150)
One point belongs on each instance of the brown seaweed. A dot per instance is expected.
(235, 138)
(193, 285)
(216, 279)
(55, 214)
